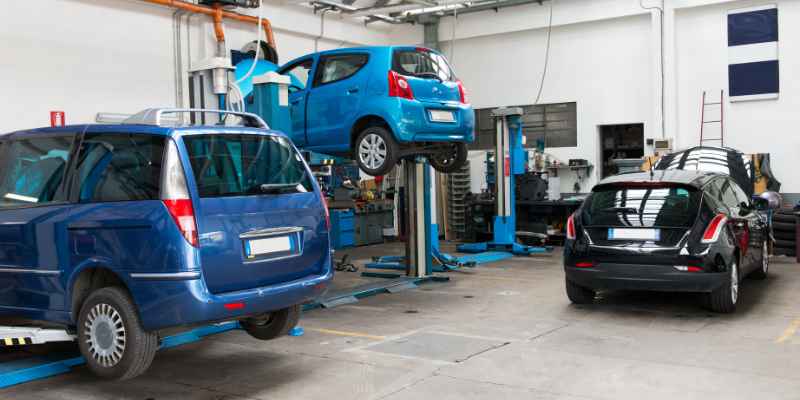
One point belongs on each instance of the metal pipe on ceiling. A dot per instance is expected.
(218, 14)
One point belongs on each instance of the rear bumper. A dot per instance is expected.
(415, 124)
(612, 276)
(173, 303)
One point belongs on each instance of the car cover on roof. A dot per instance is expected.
(722, 160)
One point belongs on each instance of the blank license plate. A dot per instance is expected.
(634, 234)
(442, 116)
(260, 247)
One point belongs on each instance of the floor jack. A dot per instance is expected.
(509, 144)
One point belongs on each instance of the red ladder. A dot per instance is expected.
(720, 121)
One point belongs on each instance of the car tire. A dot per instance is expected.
(579, 294)
(784, 236)
(784, 226)
(725, 298)
(451, 160)
(376, 151)
(784, 218)
(763, 270)
(111, 337)
(789, 244)
(273, 325)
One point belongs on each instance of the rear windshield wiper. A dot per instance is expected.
(626, 210)
(429, 75)
(276, 188)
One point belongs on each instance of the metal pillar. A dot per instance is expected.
(418, 205)
(509, 161)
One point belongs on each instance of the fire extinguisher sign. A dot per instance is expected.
(57, 118)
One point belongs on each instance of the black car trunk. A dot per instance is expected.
(639, 222)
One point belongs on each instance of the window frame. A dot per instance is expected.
(75, 184)
(285, 70)
(317, 81)
(64, 190)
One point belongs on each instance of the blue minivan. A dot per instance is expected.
(379, 105)
(122, 233)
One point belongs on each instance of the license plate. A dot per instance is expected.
(260, 247)
(634, 234)
(442, 116)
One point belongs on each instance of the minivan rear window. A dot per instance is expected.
(651, 206)
(422, 64)
(242, 165)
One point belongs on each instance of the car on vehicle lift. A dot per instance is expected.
(667, 230)
(125, 233)
(380, 104)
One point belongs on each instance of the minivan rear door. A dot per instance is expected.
(429, 75)
(640, 221)
(260, 219)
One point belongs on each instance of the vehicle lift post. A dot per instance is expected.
(509, 161)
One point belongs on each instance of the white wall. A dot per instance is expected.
(602, 65)
(85, 56)
(768, 126)
(605, 56)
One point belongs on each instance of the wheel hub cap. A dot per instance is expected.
(372, 151)
(105, 335)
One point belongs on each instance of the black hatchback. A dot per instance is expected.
(667, 230)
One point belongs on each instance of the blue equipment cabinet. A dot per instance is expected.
(342, 228)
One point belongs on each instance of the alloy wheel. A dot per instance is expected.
(105, 335)
(372, 151)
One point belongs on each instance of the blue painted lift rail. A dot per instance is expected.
(29, 369)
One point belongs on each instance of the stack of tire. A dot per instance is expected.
(784, 232)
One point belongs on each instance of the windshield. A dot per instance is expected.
(239, 165)
(657, 206)
(422, 64)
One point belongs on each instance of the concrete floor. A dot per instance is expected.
(500, 331)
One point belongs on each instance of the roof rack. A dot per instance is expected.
(155, 116)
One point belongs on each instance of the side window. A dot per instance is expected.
(728, 196)
(741, 197)
(714, 193)
(119, 167)
(32, 170)
(339, 67)
(299, 74)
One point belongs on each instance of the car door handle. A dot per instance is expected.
(352, 90)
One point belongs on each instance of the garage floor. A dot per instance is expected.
(500, 331)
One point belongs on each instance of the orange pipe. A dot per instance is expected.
(218, 14)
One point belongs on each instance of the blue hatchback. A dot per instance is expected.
(380, 104)
(124, 232)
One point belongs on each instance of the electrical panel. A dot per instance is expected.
(662, 146)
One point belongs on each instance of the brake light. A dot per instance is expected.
(462, 92)
(571, 227)
(327, 212)
(714, 228)
(182, 213)
(688, 268)
(175, 195)
(234, 306)
(587, 264)
(399, 87)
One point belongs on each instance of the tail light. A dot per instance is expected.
(571, 227)
(584, 264)
(175, 196)
(462, 92)
(327, 212)
(714, 228)
(399, 87)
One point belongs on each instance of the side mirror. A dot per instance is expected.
(767, 201)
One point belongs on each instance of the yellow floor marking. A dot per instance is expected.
(789, 332)
(345, 333)
(9, 341)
